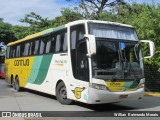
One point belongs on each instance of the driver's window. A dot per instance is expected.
(76, 34)
(82, 62)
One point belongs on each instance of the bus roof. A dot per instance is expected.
(50, 30)
(37, 35)
(98, 21)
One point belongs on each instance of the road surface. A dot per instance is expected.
(28, 100)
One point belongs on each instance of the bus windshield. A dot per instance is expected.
(118, 56)
(112, 31)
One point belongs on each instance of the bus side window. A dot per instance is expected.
(53, 42)
(48, 45)
(13, 52)
(36, 48)
(18, 51)
(77, 33)
(65, 42)
(58, 43)
(8, 52)
(26, 49)
(73, 39)
(42, 46)
(61, 42)
(22, 49)
(31, 48)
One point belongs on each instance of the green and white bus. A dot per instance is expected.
(86, 60)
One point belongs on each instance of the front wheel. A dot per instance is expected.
(61, 94)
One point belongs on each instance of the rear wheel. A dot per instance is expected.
(17, 86)
(61, 94)
(13, 83)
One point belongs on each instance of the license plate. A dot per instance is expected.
(123, 96)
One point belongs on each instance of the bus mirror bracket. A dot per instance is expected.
(151, 47)
(92, 45)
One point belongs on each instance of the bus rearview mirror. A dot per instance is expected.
(92, 45)
(151, 47)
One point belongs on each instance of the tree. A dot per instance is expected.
(145, 19)
(93, 8)
(21, 31)
(6, 33)
(68, 15)
(1, 19)
(36, 21)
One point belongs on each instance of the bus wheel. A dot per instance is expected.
(17, 87)
(13, 83)
(61, 94)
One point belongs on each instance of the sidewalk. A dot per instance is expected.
(154, 94)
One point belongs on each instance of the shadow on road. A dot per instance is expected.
(105, 107)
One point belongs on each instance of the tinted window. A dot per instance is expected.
(77, 33)
(65, 42)
(61, 41)
(26, 49)
(18, 51)
(7, 52)
(53, 42)
(42, 46)
(36, 47)
(12, 51)
(58, 43)
(48, 45)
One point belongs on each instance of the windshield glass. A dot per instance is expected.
(112, 31)
(118, 55)
(117, 60)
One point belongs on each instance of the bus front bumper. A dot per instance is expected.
(103, 96)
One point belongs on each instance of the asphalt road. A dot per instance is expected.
(28, 100)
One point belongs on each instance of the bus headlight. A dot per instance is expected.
(141, 85)
(98, 86)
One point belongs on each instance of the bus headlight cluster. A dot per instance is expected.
(141, 85)
(98, 86)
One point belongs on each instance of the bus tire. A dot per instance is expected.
(17, 86)
(13, 82)
(61, 94)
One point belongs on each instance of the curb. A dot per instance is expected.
(154, 94)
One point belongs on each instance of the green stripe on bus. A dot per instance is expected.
(53, 29)
(43, 70)
(135, 84)
(35, 69)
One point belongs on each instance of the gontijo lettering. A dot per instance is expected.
(115, 84)
(21, 62)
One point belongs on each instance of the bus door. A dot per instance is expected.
(80, 64)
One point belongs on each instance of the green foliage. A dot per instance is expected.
(144, 18)
(6, 33)
(35, 21)
(26, 31)
(92, 9)
(68, 15)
